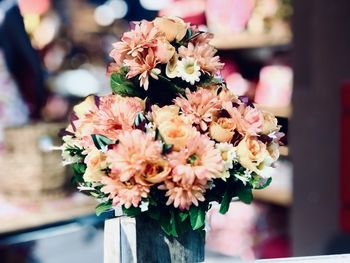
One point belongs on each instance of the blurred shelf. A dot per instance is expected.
(274, 195)
(247, 40)
(282, 112)
(284, 151)
(15, 217)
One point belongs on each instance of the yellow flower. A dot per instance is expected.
(165, 113)
(222, 130)
(251, 152)
(95, 162)
(174, 28)
(270, 123)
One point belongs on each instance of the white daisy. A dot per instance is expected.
(189, 70)
(229, 156)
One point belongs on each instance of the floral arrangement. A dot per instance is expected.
(171, 138)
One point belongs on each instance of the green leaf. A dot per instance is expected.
(262, 183)
(167, 148)
(122, 86)
(197, 217)
(168, 224)
(75, 151)
(78, 173)
(140, 121)
(103, 207)
(245, 194)
(182, 216)
(100, 141)
(225, 203)
(158, 136)
(132, 211)
(79, 168)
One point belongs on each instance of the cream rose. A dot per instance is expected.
(171, 69)
(176, 132)
(95, 162)
(253, 119)
(174, 28)
(251, 152)
(165, 113)
(222, 130)
(165, 51)
(270, 123)
(227, 96)
(273, 154)
(85, 107)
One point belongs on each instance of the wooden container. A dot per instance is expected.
(142, 240)
(29, 169)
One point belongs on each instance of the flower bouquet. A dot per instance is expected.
(171, 138)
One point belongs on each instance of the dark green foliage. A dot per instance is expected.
(104, 207)
(78, 173)
(101, 142)
(125, 87)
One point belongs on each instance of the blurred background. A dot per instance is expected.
(291, 57)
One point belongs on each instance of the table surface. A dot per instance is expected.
(16, 217)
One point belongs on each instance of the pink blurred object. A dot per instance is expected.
(234, 80)
(232, 234)
(229, 68)
(37, 7)
(191, 11)
(237, 84)
(275, 86)
(228, 16)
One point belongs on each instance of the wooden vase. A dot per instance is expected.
(142, 240)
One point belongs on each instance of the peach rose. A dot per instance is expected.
(164, 52)
(176, 132)
(227, 96)
(273, 154)
(174, 28)
(251, 152)
(85, 107)
(153, 173)
(254, 120)
(165, 113)
(95, 162)
(270, 123)
(222, 130)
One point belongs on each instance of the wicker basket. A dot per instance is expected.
(29, 169)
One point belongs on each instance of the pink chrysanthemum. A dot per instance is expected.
(131, 155)
(143, 66)
(124, 193)
(182, 195)
(115, 114)
(199, 106)
(136, 51)
(204, 54)
(134, 42)
(197, 160)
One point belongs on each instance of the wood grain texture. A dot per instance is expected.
(154, 246)
(143, 241)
